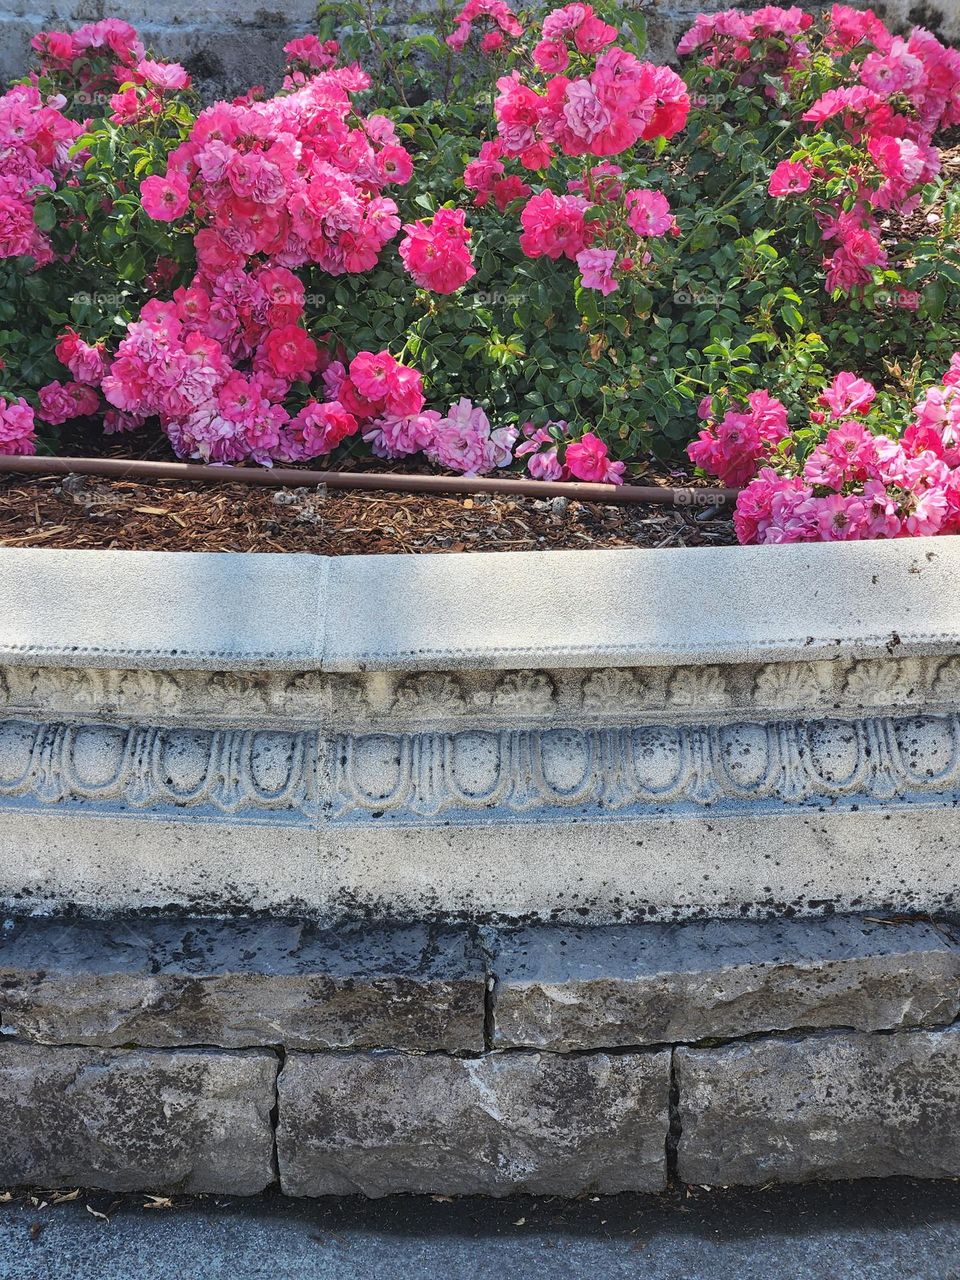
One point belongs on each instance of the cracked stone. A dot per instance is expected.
(545, 1124)
(563, 988)
(127, 1120)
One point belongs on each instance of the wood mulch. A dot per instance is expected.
(88, 512)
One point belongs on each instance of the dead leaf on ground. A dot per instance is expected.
(158, 1202)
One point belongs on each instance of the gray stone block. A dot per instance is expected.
(563, 988)
(832, 1106)
(471, 611)
(128, 1120)
(158, 982)
(520, 1122)
(173, 610)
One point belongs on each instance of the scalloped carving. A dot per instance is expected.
(613, 689)
(525, 692)
(699, 688)
(434, 692)
(790, 685)
(874, 683)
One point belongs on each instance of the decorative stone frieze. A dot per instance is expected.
(483, 735)
(804, 690)
(113, 769)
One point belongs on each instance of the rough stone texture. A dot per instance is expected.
(522, 1122)
(836, 1106)
(562, 988)
(234, 984)
(128, 1120)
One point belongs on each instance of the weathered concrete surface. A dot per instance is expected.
(651, 866)
(539, 1123)
(628, 607)
(901, 859)
(551, 736)
(236, 983)
(188, 1120)
(564, 988)
(162, 610)
(833, 1106)
(190, 611)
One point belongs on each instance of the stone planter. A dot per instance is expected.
(600, 735)
(555, 872)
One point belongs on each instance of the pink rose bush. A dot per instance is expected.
(228, 366)
(35, 153)
(501, 23)
(549, 277)
(732, 448)
(581, 96)
(858, 478)
(437, 253)
(552, 454)
(868, 145)
(107, 60)
(17, 427)
(298, 178)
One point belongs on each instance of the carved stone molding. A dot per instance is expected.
(556, 772)
(686, 694)
(188, 696)
(659, 768)
(533, 698)
(186, 771)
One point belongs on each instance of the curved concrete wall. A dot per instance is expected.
(603, 735)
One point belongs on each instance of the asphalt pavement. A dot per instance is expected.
(901, 1229)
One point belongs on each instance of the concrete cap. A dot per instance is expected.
(480, 611)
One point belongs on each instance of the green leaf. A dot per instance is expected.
(45, 215)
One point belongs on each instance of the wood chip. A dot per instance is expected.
(177, 516)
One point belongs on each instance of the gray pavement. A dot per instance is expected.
(868, 1231)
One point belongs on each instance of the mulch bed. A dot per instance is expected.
(88, 512)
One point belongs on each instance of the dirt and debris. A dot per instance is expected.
(88, 512)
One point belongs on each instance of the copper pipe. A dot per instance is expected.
(279, 477)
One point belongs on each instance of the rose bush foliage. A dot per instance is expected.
(553, 264)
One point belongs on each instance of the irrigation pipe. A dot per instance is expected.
(367, 481)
